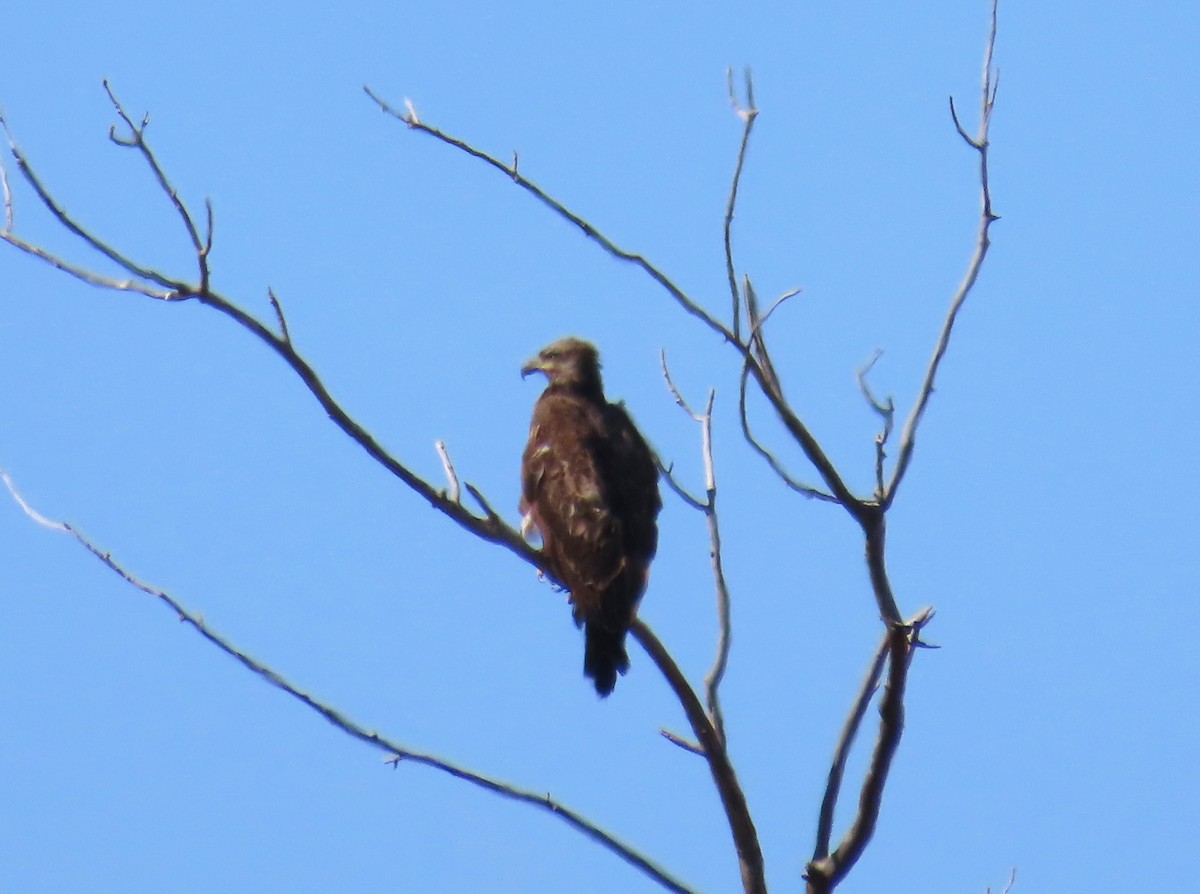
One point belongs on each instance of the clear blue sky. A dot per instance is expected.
(1049, 516)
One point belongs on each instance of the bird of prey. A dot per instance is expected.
(589, 486)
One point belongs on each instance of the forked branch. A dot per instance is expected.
(787, 415)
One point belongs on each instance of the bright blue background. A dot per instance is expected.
(1049, 515)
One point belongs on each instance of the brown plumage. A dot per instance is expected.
(589, 486)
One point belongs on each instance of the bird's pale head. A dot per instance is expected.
(569, 362)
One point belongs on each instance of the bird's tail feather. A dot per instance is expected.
(604, 656)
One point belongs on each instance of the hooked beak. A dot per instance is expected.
(533, 366)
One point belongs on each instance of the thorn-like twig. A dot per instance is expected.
(454, 494)
(279, 317)
(886, 411)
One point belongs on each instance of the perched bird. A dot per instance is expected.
(589, 486)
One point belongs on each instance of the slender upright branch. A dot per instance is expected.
(396, 753)
(741, 825)
(748, 113)
(8, 205)
(979, 143)
(712, 681)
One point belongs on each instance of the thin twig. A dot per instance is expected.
(1012, 880)
(741, 825)
(748, 114)
(668, 473)
(397, 753)
(757, 338)
(806, 490)
(87, 276)
(8, 202)
(136, 140)
(676, 739)
(980, 143)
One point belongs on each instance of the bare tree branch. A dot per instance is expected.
(396, 753)
(983, 242)
(842, 752)
(741, 825)
(490, 527)
(792, 422)
(409, 117)
(748, 114)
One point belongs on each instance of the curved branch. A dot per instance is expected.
(777, 467)
(397, 753)
(748, 114)
(741, 825)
